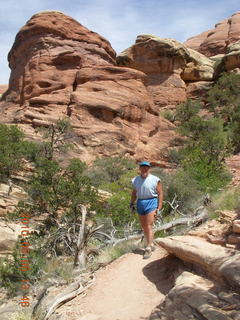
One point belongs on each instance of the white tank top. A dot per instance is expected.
(146, 187)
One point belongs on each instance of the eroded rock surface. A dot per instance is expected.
(195, 298)
(220, 262)
(62, 69)
(168, 64)
(215, 41)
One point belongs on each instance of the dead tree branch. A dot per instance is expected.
(81, 240)
(190, 220)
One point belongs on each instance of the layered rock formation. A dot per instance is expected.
(224, 231)
(209, 288)
(232, 58)
(168, 65)
(195, 297)
(8, 201)
(216, 41)
(61, 69)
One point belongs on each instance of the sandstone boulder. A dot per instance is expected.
(9, 233)
(236, 226)
(198, 89)
(167, 63)
(160, 60)
(62, 69)
(47, 52)
(215, 41)
(8, 201)
(234, 238)
(231, 60)
(220, 262)
(198, 67)
(194, 297)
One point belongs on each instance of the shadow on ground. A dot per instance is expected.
(162, 272)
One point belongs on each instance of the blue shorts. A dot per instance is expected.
(145, 206)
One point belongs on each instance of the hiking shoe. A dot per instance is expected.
(147, 253)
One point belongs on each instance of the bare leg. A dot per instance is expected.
(147, 226)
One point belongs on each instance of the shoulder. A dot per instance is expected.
(154, 178)
(135, 179)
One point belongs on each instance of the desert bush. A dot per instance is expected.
(112, 253)
(206, 147)
(13, 148)
(184, 188)
(106, 170)
(175, 156)
(228, 199)
(169, 115)
(224, 102)
(11, 273)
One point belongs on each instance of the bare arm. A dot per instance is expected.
(160, 195)
(134, 196)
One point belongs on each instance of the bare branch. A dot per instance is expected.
(81, 238)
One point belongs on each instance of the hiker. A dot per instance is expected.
(147, 190)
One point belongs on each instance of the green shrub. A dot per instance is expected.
(11, 149)
(185, 188)
(117, 208)
(52, 188)
(169, 115)
(10, 269)
(229, 199)
(209, 174)
(109, 169)
(111, 253)
(175, 156)
(187, 110)
(202, 158)
(224, 101)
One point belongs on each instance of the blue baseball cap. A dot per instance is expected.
(145, 163)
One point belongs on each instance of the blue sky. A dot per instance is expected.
(119, 21)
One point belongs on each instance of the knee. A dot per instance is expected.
(148, 226)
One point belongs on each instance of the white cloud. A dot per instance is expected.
(118, 21)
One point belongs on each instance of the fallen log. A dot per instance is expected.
(47, 306)
(191, 220)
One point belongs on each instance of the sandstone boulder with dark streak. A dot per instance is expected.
(215, 41)
(60, 69)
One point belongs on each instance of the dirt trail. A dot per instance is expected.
(127, 289)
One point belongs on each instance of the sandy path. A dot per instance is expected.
(127, 289)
